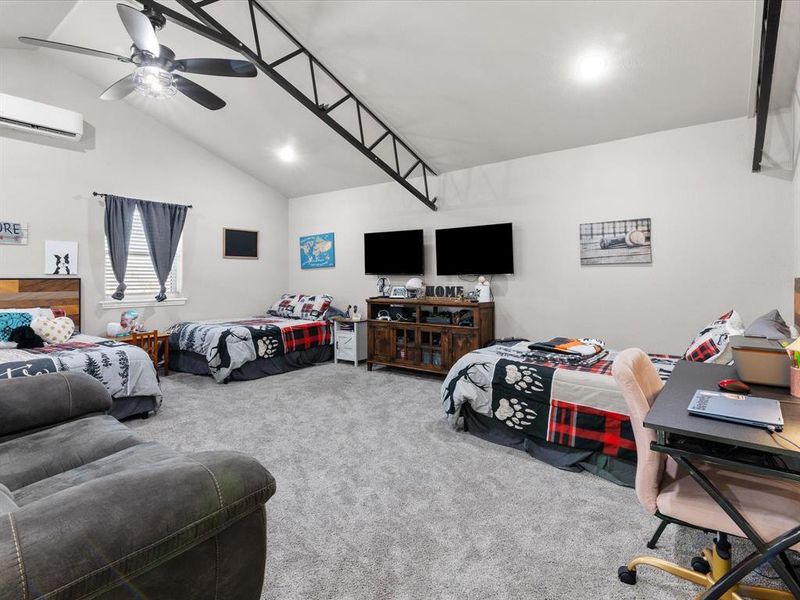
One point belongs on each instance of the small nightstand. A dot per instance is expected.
(349, 340)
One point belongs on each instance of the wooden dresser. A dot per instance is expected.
(426, 334)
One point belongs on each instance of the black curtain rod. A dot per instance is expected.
(104, 195)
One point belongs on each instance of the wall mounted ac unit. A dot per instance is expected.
(39, 118)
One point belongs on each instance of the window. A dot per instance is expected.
(141, 277)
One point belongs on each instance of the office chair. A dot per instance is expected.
(771, 506)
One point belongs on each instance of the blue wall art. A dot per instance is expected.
(317, 251)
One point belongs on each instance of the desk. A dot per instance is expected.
(163, 342)
(689, 440)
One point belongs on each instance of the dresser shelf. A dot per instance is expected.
(426, 334)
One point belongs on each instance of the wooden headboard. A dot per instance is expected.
(45, 292)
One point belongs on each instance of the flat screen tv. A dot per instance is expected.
(480, 250)
(394, 253)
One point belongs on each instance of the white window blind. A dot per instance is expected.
(141, 277)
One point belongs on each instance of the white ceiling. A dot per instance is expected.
(37, 17)
(465, 83)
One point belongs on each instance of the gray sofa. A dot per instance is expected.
(90, 510)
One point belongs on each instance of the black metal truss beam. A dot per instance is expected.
(206, 26)
(769, 42)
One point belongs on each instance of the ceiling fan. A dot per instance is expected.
(157, 72)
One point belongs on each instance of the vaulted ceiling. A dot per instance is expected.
(465, 83)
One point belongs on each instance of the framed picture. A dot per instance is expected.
(398, 291)
(60, 258)
(239, 243)
(616, 242)
(13, 233)
(317, 251)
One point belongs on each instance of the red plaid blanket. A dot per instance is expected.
(304, 336)
(590, 428)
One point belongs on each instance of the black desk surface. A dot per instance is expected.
(669, 411)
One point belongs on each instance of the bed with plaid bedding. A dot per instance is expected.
(124, 370)
(228, 344)
(570, 405)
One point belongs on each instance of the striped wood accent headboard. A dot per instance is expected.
(44, 292)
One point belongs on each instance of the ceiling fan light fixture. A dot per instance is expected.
(154, 82)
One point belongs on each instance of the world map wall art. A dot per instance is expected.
(317, 251)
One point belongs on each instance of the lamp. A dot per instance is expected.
(154, 82)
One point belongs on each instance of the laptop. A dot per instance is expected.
(746, 410)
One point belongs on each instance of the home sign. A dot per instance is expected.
(13, 233)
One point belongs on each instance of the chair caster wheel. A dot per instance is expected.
(626, 576)
(701, 565)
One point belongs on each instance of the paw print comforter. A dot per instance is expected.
(230, 343)
(578, 406)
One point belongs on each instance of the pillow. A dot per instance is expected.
(770, 326)
(285, 306)
(53, 331)
(33, 312)
(9, 321)
(332, 313)
(312, 308)
(711, 344)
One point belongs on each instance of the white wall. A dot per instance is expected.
(48, 185)
(722, 236)
(796, 175)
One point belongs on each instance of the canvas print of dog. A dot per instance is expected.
(61, 258)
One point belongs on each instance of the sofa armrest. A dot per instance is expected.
(30, 403)
(90, 538)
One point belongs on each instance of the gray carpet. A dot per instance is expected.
(378, 498)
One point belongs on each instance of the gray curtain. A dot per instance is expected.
(163, 225)
(118, 225)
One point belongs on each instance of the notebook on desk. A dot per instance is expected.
(745, 410)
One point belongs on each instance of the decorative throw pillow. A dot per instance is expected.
(770, 326)
(285, 306)
(33, 312)
(711, 344)
(9, 321)
(53, 331)
(312, 308)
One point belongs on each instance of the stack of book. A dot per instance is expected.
(571, 351)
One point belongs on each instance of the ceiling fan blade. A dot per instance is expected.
(139, 28)
(198, 93)
(71, 48)
(217, 66)
(120, 89)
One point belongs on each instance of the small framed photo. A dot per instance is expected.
(398, 291)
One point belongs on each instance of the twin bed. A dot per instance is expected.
(572, 417)
(125, 370)
(248, 348)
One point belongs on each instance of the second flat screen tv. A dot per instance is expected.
(394, 253)
(480, 250)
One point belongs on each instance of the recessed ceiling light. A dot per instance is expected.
(287, 154)
(592, 66)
